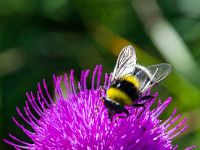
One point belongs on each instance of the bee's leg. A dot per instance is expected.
(96, 107)
(103, 88)
(126, 112)
(101, 98)
(140, 105)
(97, 110)
(147, 97)
(143, 104)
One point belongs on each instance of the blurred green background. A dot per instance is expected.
(39, 38)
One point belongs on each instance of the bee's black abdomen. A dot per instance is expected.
(127, 88)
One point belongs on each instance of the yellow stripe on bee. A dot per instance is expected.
(132, 80)
(119, 96)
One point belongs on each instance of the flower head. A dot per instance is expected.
(68, 122)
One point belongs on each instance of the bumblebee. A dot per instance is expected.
(129, 82)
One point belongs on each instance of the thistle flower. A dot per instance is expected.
(68, 122)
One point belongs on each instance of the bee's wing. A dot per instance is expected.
(152, 75)
(125, 63)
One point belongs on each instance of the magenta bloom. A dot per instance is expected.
(68, 123)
